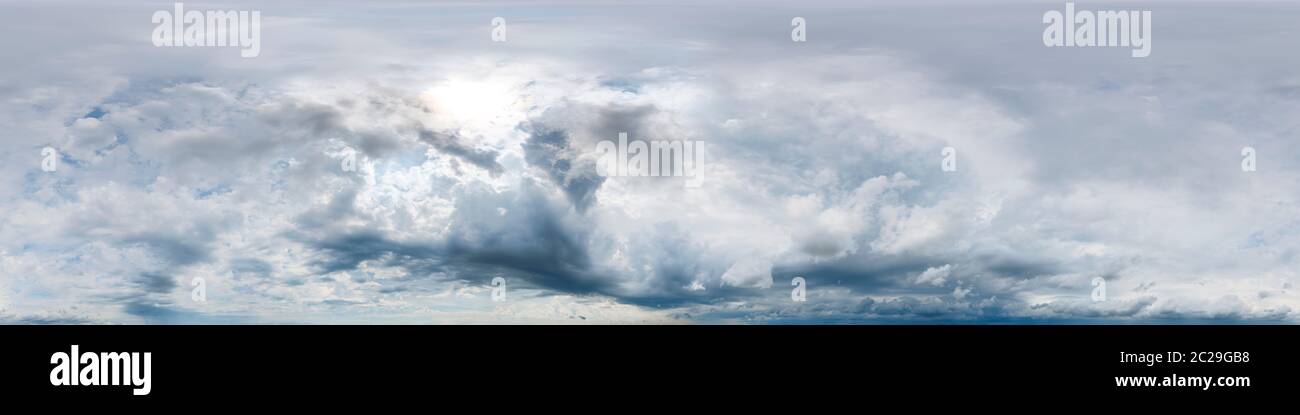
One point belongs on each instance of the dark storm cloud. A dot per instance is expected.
(344, 252)
(864, 273)
(522, 234)
(537, 237)
(1019, 266)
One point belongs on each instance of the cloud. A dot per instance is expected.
(935, 275)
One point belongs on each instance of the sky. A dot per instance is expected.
(392, 162)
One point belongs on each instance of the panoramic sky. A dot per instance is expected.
(909, 162)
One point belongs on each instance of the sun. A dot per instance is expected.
(475, 104)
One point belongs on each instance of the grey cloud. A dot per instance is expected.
(454, 145)
(344, 252)
(252, 266)
(177, 250)
(550, 150)
(156, 283)
(161, 313)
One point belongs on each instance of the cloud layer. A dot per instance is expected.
(477, 159)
